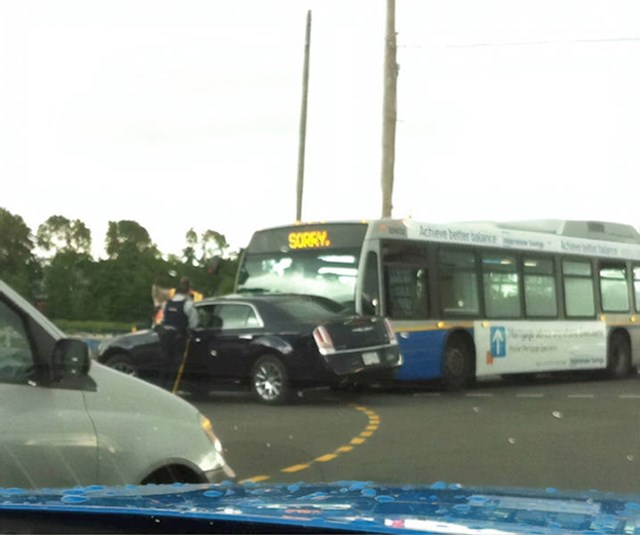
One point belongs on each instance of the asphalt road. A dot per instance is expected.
(564, 433)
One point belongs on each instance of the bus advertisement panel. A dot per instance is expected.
(471, 299)
(528, 347)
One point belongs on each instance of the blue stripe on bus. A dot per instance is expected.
(422, 352)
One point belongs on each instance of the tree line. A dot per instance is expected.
(53, 267)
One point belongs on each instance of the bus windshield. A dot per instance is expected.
(330, 274)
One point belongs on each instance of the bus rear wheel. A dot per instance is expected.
(457, 370)
(618, 356)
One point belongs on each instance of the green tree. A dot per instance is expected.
(122, 283)
(63, 235)
(189, 252)
(222, 275)
(201, 249)
(67, 286)
(213, 244)
(128, 238)
(18, 265)
(205, 264)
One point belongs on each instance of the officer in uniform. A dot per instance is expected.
(179, 317)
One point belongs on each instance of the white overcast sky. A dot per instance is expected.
(181, 114)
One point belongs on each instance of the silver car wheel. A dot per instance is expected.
(123, 365)
(268, 381)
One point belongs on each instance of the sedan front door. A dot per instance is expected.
(219, 348)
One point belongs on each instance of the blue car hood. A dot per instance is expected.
(348, 506)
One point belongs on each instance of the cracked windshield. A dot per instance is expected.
(262, 243)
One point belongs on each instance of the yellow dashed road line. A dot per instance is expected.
(326, 458)
(256, 479)
(295, 468)
(372, 426)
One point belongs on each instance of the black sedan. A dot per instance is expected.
(273, 343)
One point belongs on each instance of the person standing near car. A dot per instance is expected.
(179, 317)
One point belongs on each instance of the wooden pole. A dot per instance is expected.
(389, 113)
(303, 120)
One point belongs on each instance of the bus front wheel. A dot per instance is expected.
(457, 370)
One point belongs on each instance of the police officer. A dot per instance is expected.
(179, 317)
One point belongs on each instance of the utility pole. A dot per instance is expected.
(303, 120)
(389, 113)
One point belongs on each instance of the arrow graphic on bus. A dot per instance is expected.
(498, 342)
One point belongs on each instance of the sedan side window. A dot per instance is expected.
(207, 318)
(237, 316)
(16, 356)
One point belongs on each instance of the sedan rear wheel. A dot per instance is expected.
(123, 364)
(269, 380)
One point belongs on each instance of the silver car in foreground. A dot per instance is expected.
(67, 421)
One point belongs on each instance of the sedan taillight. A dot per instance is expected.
(323, 340)
(390, 333)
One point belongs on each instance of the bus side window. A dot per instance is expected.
(636, 286)
(458, 283)
(371, 285)
(407, 291)
(406, 279)
(539, 288)
(501, 286)
(578, 288)
(613, 288)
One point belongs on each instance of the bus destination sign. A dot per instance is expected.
(309, 239)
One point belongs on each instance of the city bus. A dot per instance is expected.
(471, 300)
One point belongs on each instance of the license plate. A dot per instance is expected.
(370, 357)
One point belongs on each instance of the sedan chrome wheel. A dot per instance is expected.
(269, 380)
(122, 364)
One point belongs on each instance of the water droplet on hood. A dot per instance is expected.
(73, 498)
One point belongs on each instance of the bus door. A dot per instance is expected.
(407, 302)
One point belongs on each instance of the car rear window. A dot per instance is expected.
(310, 309)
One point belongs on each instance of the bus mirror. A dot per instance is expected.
(370, 305)
(243, 275)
